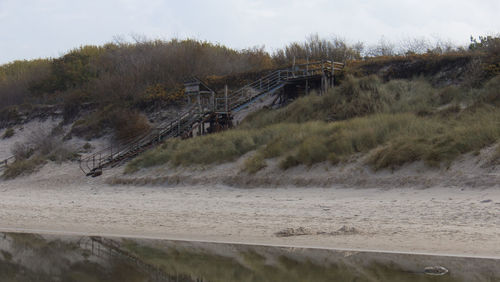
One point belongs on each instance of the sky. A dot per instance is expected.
(49, 28)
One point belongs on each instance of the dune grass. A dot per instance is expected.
(395, 123)
(399, 138)
(25, 166)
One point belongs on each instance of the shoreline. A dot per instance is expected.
(222, 242)
(460, 221)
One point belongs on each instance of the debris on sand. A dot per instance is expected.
(288, 232)
(344, 230)
(435, 270)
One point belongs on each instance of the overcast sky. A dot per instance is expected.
(49, 28)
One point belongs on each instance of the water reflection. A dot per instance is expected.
(29, 257)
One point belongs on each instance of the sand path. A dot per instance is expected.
(457, 221)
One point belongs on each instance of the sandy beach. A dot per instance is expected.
(438, 220)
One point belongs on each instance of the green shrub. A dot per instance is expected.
(8, 133)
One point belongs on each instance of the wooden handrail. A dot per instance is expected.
(177, 126)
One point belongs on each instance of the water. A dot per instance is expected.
(31, 257)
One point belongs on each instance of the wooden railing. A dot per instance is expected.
(6, 162)
(115, 155)
(272, 82)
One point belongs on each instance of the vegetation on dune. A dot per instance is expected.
(23, 166)
(126, 123)
(128, 77)
(40, 148)
(9, 132)
(418, 102)
(396, 123)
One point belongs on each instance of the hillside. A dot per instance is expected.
(401, 155)
(388, 110)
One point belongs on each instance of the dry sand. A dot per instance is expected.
(452, 220)
(453, 210)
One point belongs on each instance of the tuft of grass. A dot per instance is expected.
(490, 93)
(254, 164)
(397, 153)
(8, 133)
(289, 162)
(312, 150)
(24, 166)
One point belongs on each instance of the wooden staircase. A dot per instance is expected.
(115, 155)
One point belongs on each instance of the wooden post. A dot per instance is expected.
(307, 65)
(225, 96)
(213, 100)
(199, 102)
(333, 74)
(178, 123)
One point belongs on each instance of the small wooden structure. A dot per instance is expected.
(199, 93)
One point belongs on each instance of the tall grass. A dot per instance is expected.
(404, 137)
(42, 146)
(358, 97)
(396, 123)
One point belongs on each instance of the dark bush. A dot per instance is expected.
(21, 151)
(9, 132)
(128, 124)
